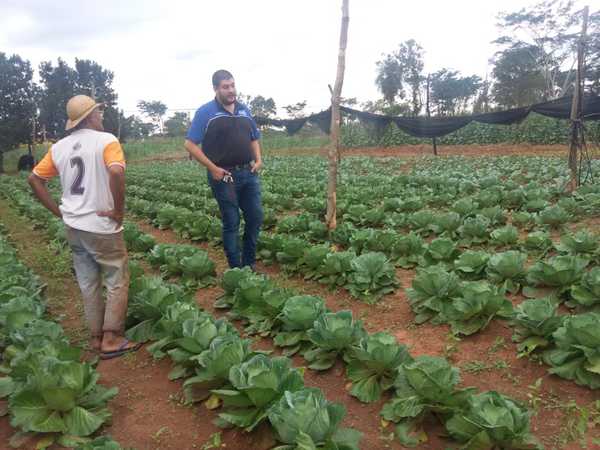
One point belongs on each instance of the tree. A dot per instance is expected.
(60, 83)
(547, 32)
(155, 110)
(178, 124)
(399, 70)
(592, 71)
(350, 101)
(389, 78)
(518, 79)
(93, 80)
(451, 93)
(262, 107)
(17, 108)
(410, 58)
(58, 86)
(296, 110)
(483, 100)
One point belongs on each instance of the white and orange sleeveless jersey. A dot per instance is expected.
(82, 160)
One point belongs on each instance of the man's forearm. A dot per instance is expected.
(40, 190)
(117, 189)
(255, 147)
(199, 155)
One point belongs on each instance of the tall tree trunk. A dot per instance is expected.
(1, 162)
(330, 217)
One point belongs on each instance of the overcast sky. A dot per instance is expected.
(285, 49)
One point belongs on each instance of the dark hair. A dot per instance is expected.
(219, 76)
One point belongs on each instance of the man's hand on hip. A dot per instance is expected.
(113, 214)
(256, 167)
(218, 173)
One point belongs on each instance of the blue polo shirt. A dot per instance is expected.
(224, 137)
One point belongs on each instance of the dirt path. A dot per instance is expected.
(405, 151)
(402, 151)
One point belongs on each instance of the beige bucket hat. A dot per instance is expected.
(78, 108)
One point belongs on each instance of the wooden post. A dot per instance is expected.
(576, 106)
(330, 218)
(433, 140)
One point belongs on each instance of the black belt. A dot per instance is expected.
(239, 167)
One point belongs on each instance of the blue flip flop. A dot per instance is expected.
(121, 350)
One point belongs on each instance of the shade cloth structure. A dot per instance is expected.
(424, 127)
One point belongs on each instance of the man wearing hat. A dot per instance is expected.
(91, 167)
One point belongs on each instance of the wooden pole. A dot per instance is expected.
(433, 140)
(576, 106)
(330, 218)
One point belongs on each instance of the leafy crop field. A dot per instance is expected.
(455, 306)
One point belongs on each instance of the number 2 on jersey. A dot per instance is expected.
(76, 187)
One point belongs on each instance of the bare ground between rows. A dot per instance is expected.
(402, 151)
(488, 360)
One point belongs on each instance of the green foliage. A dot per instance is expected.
(304, 419)
(256, 385)
(492, 420)
(505, 236)
(372, 277)
(559, 272)
(136, 240)
(18, 94)
(213, 365)
(471, 264)
(581, 243)
(477, 305)
(576, 356)
(425, 386)
(61, 397)
(332, 334)
(553, 216)
(508, 269)
(535, 321)
(432, 290)
(538, 242)
(587, 292)
(297, 317)
(372, 364)
(474, 230)
(440, 250)
(191, 263)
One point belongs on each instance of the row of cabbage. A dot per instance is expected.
(529, 185)
(203, 350)
(50, 394)
(422, 386)
(368, 276)
(219, 367)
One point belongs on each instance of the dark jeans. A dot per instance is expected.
(244, 194)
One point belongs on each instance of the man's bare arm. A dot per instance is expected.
(40, 190)
(217, 172)
(255, 148)
(116, 174)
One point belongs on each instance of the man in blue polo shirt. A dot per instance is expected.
(223, 137)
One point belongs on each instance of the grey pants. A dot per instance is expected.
(101, 258)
